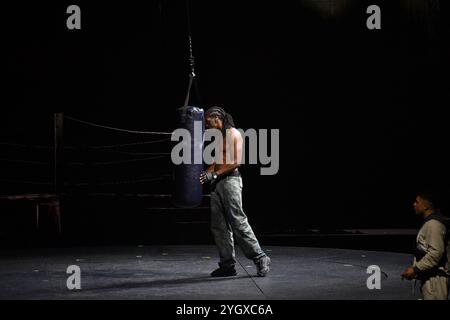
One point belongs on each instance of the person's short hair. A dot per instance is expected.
(433, 198)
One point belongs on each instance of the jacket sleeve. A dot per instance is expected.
(435, 239)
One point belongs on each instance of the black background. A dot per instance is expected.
(361, 113)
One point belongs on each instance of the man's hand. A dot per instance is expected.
(207, 177)
(409, 274)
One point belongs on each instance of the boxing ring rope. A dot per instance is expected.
(21, 145)
(116, 129)
(130, 144)
(21, 161)
(24, 161)
(137, 180)
(110, 149)
(14, 181)
(105, 163)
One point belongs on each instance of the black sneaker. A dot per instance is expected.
(224, 272)
(262, 266)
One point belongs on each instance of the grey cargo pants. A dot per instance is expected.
(229, 222)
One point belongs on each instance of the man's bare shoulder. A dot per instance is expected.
(234, 133)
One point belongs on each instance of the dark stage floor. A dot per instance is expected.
(182, 272)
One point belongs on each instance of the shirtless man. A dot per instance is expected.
(228, 220)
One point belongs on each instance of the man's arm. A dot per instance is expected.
(211, 168)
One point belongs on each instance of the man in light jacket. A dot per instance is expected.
(431, 265)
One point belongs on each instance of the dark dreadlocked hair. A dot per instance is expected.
(226, 118)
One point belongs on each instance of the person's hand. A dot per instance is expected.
(207, 177)
(409, 274)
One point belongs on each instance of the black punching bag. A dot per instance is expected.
(188, 190)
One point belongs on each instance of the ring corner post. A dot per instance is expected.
(59, 165)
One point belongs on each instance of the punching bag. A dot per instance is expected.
(188, 190)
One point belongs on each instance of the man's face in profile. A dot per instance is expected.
(212, 123)
(420, 205)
